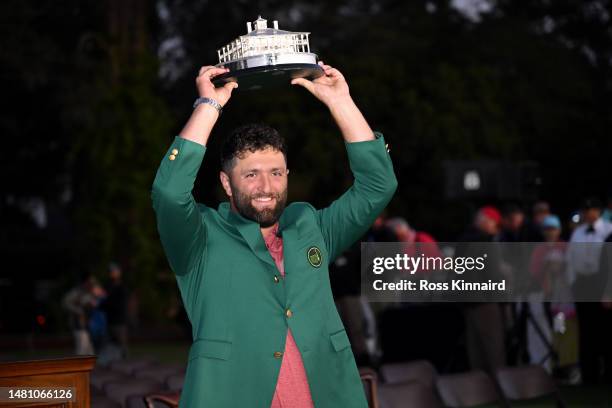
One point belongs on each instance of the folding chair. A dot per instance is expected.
(526, 383)
(165, 399)
(138, 387)
(419, 370)
(412, 394)
(468, 390)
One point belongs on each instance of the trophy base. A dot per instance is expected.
(269, 75)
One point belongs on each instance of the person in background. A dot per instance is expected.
(583, 263)
(515, 264)
(516, 254)
(548, 258)
(483, 321)
(539, 212)
(359, 315)
(547, 266)
(345, 280)
(512, 224)
(115, 307)
(79, 301)
(485, 226)
(406, 234)
(605, 269)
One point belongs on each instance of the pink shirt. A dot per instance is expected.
(292, 390)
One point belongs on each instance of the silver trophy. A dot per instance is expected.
(266, 57)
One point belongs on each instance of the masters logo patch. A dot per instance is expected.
(314, 256)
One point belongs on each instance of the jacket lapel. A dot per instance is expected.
(289, 229)
(289, 234)
(250, 232)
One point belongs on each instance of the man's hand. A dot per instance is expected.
(330, 88)
(207, 89)
(200, 124)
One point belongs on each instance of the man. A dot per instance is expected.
(253, 274)
(585, 248)
(80, 301)
(605, 269)
(405, 233)
(512, 224)
(483, 321)
(484, 227)
(546, 266)
(115, 306)
(583, 263)
(539, 212)
(417, 243)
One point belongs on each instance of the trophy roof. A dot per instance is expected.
(260, 27)
(270, 31)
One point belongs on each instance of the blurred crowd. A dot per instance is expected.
(573, 339)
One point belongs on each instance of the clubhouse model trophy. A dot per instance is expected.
(266, 57)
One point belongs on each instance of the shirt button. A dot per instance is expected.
(172, 157)
(288, 313)
(276, 280)
(175, 151)
(278, 354)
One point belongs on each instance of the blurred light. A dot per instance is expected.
(40, 319)
(473, 9)
(576, 218)
(471, 180)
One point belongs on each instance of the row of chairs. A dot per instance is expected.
(148, 384)
(126, 383)
(417, 384)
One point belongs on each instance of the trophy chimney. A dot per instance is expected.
(261, 24)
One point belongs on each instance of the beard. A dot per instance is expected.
(265, 217)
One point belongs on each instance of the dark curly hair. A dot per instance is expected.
(250, 138)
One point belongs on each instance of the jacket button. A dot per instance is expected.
(278, 354)
(175, 151)
(276, 280)
(172, 157)
(288, 313)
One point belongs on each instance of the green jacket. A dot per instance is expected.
(234, 296)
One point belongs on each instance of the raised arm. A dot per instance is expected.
(181, 228)
(349, 217)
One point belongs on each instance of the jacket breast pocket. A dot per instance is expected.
(217, 349)
(340, 340)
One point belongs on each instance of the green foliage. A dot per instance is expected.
(115, 155)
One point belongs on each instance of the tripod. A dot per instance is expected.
(517, 337)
